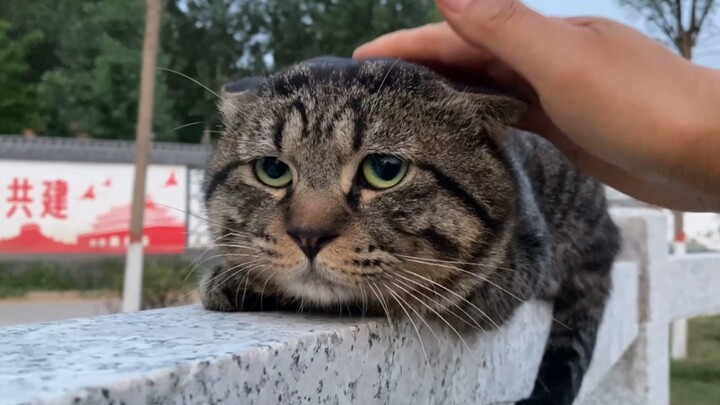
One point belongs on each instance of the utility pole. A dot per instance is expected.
(132, 287)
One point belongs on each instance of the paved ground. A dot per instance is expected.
(22, 312)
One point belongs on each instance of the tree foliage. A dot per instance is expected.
(18, 105)
(679, 21)
(82, 75)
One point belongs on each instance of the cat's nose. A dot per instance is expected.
(311, 241)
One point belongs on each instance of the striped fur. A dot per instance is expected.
(480, 224)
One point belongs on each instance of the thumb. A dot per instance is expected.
(527, 41)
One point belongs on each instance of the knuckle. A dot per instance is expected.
(506, 12)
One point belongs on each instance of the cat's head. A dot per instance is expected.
(339, 182)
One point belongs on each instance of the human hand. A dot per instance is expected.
(619, 105)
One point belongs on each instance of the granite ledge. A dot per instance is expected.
(691, 276)
(191, 356)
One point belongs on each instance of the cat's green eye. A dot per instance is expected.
(273, 172)
(384, 171)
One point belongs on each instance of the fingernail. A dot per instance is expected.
(454, 5)
(360, 49)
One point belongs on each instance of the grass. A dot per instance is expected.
(164, 279)
(696, 381)
(18, 280)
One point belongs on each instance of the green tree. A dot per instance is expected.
(300, 29)
(87, 65)
(18, 105)
(47, 16)
(204, 40)
(95, 89)
(215, 41)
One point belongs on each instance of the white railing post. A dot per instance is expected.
(679, 332)
(679, 329)
(642, 376)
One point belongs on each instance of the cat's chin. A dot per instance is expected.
(311, 286)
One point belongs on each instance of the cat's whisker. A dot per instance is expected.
(186, 125)
(223, 255)
(415, 311)
(427, 259)
(246, 269)
(194, 215)
(236, 238)
(415, 289)
(478, 276)
(258, 275)
(442, 318)
(189, 78)
(478, 309)
(237, 292)
(302, 305)
(364, 301)
(398, 299)
(387, 74)
(239, 234)
(434, 283)
(207, 282)
(200, 256)
(374, 288)
(237, 246)
(245, 277)
(348, 308)
(262, 292)
(210, 280)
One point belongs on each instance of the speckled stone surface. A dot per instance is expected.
(642, 375)
(696, 281)
(191, 356)
(619, 327)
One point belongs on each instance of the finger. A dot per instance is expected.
(536, 46)
(441, 49)
(436, 43)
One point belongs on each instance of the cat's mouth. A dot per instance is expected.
(318, 283)
(310, 274)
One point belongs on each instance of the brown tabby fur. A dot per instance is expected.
(481, 222)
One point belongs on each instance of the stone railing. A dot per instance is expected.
(187, 355)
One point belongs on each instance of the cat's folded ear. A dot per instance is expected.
(502, 110)
(493, 105)
(238, 95)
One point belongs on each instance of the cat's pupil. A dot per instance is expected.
(274, 168)
(386, 167)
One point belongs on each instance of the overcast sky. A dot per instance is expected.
(707, 52)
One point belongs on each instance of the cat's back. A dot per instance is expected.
(573, 204)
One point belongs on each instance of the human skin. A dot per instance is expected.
(620, 106)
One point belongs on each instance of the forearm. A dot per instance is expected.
(698, 160)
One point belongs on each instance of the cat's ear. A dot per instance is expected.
(491, 104)
(503, 110)
(237, 96)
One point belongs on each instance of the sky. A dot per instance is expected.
(708, 51)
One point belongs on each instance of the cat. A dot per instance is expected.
(379, 184)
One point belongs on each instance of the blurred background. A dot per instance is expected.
(69, 100)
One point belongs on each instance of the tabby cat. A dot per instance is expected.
(364, 184)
